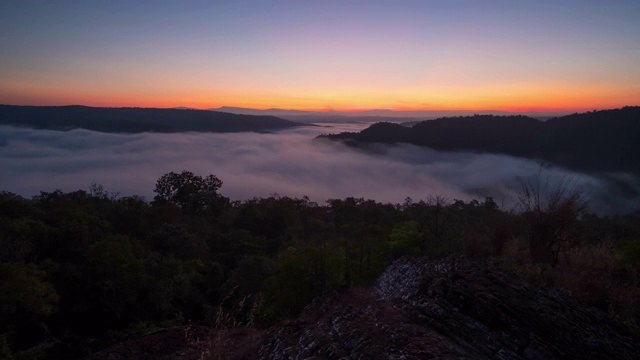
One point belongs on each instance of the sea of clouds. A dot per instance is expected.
(289, 163)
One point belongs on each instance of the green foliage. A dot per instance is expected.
(26, 300)
(244, 289)
(14, 206)
(118, 274)
(176, 240)
(179, 290)
(126, 215)
(194, 194)
(247, 278)
(630, 252)
(79, 230)
(5, 349)
(22, 239)
(300, 276)
(24, 289)
(405, 239)
(82, 270)
(551, 212)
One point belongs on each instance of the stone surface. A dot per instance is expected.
(418, 309)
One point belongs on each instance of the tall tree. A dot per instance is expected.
(194, 194)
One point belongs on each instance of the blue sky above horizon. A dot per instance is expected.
(344, 55)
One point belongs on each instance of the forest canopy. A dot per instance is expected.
(82, 270)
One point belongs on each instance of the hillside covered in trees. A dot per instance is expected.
(87, 269)
(135, 120)
(607, 140)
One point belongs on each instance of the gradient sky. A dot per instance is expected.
(343, 55)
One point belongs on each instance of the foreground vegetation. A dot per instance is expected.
(86, 269)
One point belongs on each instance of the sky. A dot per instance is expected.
(320, 55)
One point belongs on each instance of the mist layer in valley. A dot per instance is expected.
(289, 163)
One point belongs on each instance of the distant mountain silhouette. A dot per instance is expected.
(184, 108)
(341, 119)
(135, 120)
(299, 115)
(272, 112)
(607, 140)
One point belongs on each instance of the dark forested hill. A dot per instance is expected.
(607, 140)
(134, 120)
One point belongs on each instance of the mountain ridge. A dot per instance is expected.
(389, 113)
(605, 140)
(136, 120)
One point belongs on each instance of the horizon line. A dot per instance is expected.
(351, 111)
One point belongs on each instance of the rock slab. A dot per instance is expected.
(421, 309)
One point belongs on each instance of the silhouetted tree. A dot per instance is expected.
(194, 194)
(551, 213)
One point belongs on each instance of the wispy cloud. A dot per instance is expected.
(290, 163)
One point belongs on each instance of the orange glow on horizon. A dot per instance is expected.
(522, 98)
(423, 56)
(556, 107)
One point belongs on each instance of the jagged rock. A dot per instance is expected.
(422, 309)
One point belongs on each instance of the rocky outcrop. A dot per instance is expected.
(422, 309)
(496, 315)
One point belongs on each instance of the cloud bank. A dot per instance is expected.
(290, 163)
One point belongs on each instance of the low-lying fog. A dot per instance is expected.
(291, 163)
